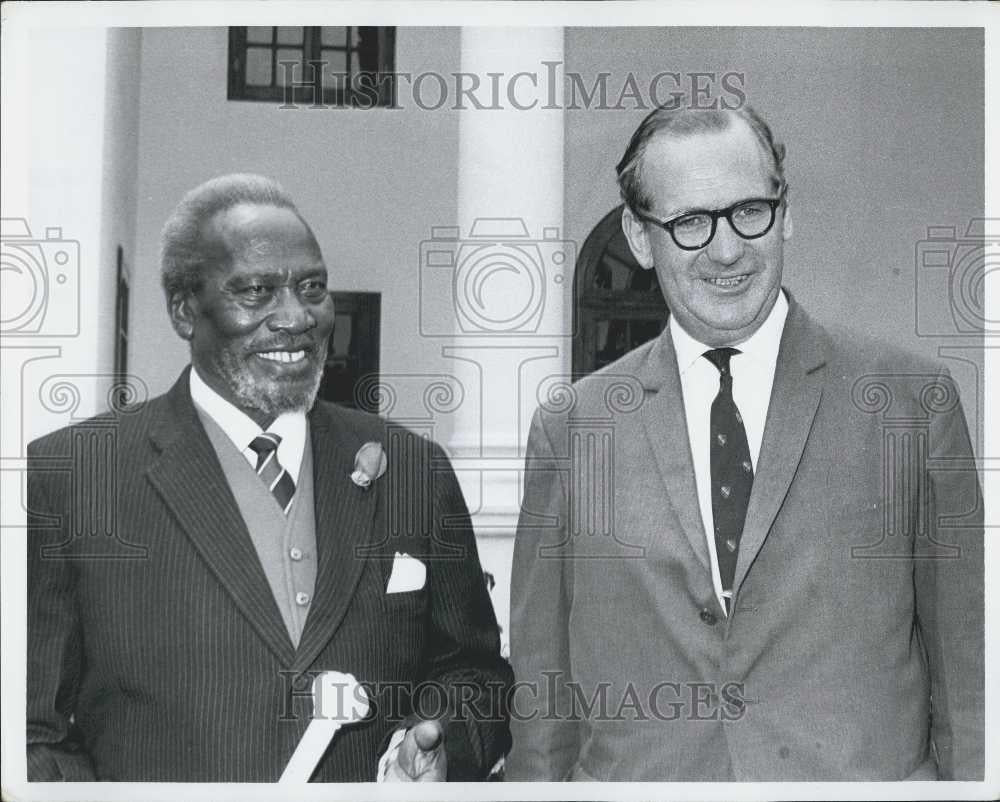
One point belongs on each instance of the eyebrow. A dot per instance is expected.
(276, 275)
(694, 209)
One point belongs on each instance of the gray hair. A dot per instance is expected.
(182, 258)
(684, 122)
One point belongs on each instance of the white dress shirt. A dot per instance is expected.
(753, 374)
(241, 429)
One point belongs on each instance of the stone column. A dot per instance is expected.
(513, 271)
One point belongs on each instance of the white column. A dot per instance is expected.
(57, 296)
(58, 286)
(513, 272)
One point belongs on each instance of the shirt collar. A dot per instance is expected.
(761, 346)
(242, 429)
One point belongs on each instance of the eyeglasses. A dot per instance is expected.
(693, 230)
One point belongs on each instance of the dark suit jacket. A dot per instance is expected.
(855, 649)
(156, 650)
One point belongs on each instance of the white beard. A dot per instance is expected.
(274, 397)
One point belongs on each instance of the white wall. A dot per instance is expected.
(75, 171)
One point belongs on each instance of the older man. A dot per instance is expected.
(774, 569)
(251, 543)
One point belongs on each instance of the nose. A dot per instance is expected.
(726, 246)
(291, 315)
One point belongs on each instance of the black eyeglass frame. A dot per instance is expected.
(668, 224)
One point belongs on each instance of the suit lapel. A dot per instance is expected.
(190, 480)
(666, 429)
(344, 523)
(795, 397)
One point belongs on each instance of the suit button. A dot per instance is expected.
(708, 617)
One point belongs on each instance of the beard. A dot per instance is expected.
(271, 397)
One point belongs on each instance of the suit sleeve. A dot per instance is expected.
(54, 647)
(546, 744)
(950, 599)
(464, 646)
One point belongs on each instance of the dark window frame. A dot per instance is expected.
(362, 311)
(373, 85)
(594, 305)
(122, 301)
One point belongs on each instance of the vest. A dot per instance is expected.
(286, 545)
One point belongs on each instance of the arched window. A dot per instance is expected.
(618, 305)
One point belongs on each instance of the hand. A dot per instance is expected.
(421, 757)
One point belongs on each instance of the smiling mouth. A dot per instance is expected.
(732, 281)
(284, 357)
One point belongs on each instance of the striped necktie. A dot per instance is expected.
(277, 479)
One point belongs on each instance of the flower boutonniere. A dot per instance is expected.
(369, 464)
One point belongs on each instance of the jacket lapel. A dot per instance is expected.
(190, 480)
(795, 397)
(666, 429)
(344, 525)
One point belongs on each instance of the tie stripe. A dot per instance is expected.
(277, 479)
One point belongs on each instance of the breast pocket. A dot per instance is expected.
(411, 603)
(403, 634)
(405, 585)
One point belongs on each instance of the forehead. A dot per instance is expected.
(711, 169)
(255, 234)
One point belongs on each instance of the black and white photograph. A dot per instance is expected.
(585, 401)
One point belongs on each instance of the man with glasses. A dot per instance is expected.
(744, 575)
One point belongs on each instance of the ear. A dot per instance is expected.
(181, 307)
(638, 238)
(786, 221)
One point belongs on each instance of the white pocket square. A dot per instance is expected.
(408, 573)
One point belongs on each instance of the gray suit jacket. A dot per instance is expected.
(855, 648)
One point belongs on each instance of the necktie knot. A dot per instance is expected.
(720, 358)
(277, 479)
(264, 445)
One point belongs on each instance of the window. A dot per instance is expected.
(619, 306)
(353, 353)
(316, 66)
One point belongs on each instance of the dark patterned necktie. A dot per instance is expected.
(277, 479)
(732, 471)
